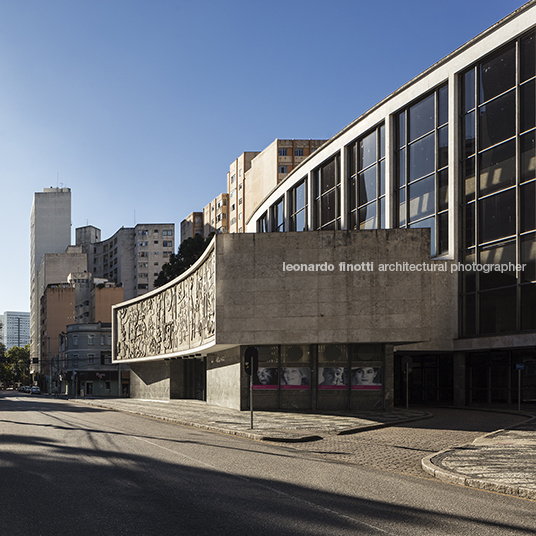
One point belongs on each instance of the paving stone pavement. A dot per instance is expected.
(493, 450)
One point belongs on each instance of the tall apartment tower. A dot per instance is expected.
(50, 232)
(16, 330)
(132, 257)
(216, 215)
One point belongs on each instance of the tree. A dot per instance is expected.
(15, 366)
(189, 251)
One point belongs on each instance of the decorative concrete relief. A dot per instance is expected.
(179, 318)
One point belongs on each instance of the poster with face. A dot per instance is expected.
(366, 377)
(265, 378)
(295, 378)
(332, 378)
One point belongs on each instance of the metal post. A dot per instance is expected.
(519, 389)
(251, 398)
(407, 384)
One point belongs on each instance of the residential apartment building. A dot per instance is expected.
(132, 257)
(50, 232)
(192, 225)
(216, 215)
(269, 168)
(84, 365)
(235, 188)
(15, 329)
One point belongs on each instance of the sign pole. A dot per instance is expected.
(251, 362)
(407, 384)
(519, 389)
(251, 398)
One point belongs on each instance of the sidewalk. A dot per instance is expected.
(503, 461)
(267, 425)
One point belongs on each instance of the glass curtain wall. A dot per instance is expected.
(498, 191)
(366, 181)
(327, 194)
(422, 160)
(298, 207)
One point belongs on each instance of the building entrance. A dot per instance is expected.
(430, 379)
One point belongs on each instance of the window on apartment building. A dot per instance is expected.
(91, 339)
(366, 181)
(143, 253)
(156, 241)
(167, 232)
(282, 169)
(143, 244)
(74, 358)
(232, 179)
(167, 243)
(278, 216)
(143, 286)
(298, 207)
(75, 340)
(233, 221)
(167, 253)
(233, 207)
(498, 183)
(298, 151)
(233, 193)
(143, 233)
(327, 192)
(282, 151)
(90, 359)
(422, 160)
(143, 275)
(143, 264)
(240, 201)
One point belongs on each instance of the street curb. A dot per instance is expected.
(451, 477)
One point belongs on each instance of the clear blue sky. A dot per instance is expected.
(139, 106)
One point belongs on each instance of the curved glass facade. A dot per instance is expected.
(452, 151)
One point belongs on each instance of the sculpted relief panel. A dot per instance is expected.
(179, 318)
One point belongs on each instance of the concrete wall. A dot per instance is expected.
(150, 380)
(259, 302)
(225, 379)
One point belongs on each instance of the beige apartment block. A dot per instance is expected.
(272, 166)
(132, 257)
(57, 311)
(192, 225)
(235, 189)
(216, 215)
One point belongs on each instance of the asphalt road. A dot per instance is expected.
(70, 469)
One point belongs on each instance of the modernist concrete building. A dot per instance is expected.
(132, 257)
(409, 238)
(15, 329)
